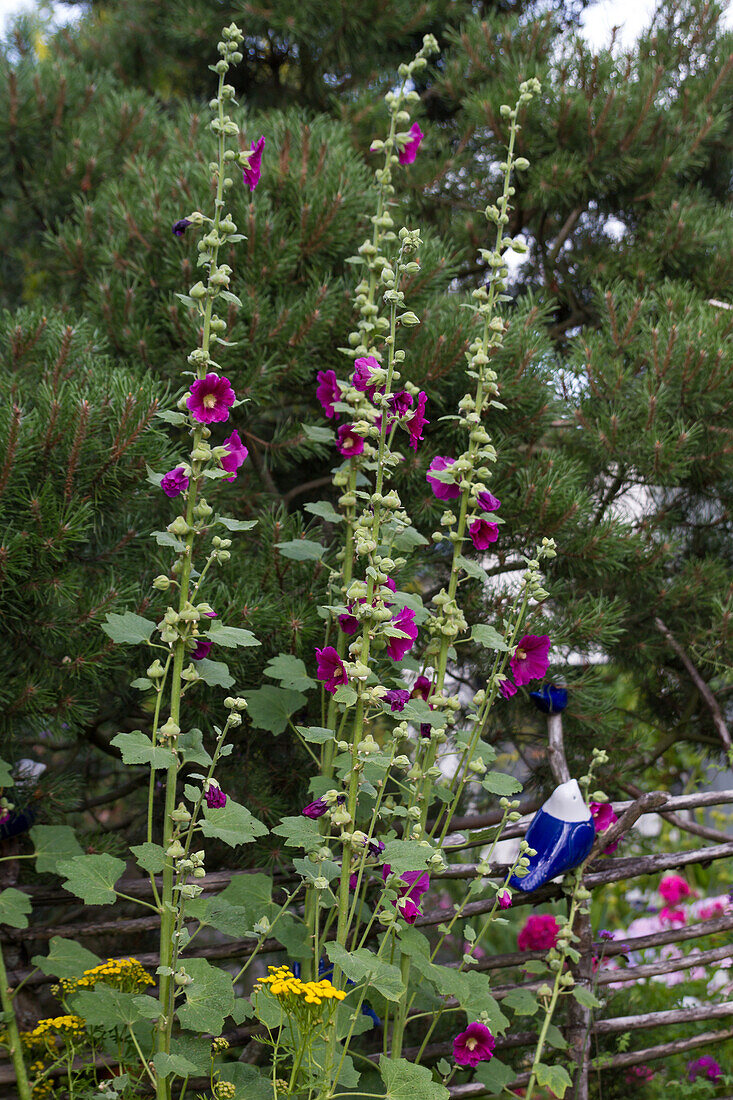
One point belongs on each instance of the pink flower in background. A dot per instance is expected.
(444, 490)
(328, 391)
(237, 455)
(704, 1067)
(174, 482)
(362, 376)
(404, 620)
(253, 169)
(215, 797)
(210, 399)
(674, 888)
(483, 533)
(539, 933)
(505, 899)
(203, 648)
(507, 689)
(531, 658)
(715, 908)
(475, 1044)
(331, 669)
(417, 421)
(349, 443)
(487, 502)
(672, 916)
(639, 1073)
(408, 154)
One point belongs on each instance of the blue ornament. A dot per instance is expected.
(550, 699)
(562, 833)
(19, 822)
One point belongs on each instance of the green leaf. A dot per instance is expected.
(501, 784)
(317, 735)
(345, 694)
(364, 964)
(172, 417)
(406, 855)
(521, 1001)
(52, 843)
(473, 569)
(192, 1049)
(6, 775)
(317, 434)
(150, 857)
(301, 550)
(128, 629)
(236, 524)
(65, 959)
(231, 636)
(406, 1081)
(92, 877)
(290, 671)
(191, 748)
(325, 510)
(166, 1064)
(142, 683)
(495, 1076)
(269, 708)
(14, 908)
(534, 966)
(209, 999)
(232, 920)
(299, 832)
(233, 824)
(556, 1078)
(107, 1007)
(585, 998)
(250, 1082)
(214, 673)
(556, 1038)
(137, 748)
(165, 538)
(488, 638)
(409, 539)
(229, 297)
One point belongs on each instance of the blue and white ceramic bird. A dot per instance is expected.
(561, 832)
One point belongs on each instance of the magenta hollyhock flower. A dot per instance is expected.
(328, 391)
(237, 455)
(507, 689)
(404, 620)
(539, 933)
(319, 807)
(174, 482)
(603, 818)
(487, 502)
(180, 227)
(349, 442)
(210, 399)
(505, 899)
(331, 669)
(400, 403)
(421, 688)
(674, 888)
(672, 916)
(349, 624)
(390, 584)
(531, 660)
(417, 883)
(376, 847)
(704, 1067)
(408, 154)
(215, 797)
(639, 1073)
(362, 376)
(475, 1044)
(253, 169)
(203, 648)
(483, 533)
(444, 490)
(397, 698)
(417, 422)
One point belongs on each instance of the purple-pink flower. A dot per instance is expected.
(417, 422)
(349, 442)
(397, 698)
(417, 883)
(215, 797)
(237, 455)
(603, 818)
(674, 888)
(531, 659)
(408, 154)
(505, 899)
(203, 648)
(328, 391)
(475, 1044)
(253, 169)
(421, 688)
(362, 376)
(507, 689)
(400, 402)
(540, 933)
(483, 533)
(210, 399)
(180, 227)
(704, 1067)
(404, 620)
(348, 623)
(174, 482)
(444, 490)
(487, 502)
(319, 807)
(331, 669)
(639, 1073)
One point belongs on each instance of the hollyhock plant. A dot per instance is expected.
(417, 884)
(483, 533)
(180, 227)
(210, 399)
(203, 648)
(475, 1044)
(704, 1067)
(397, 698)
(530, 660)
(507, 689)
(539, 933)
(319, 807)
(215, 797)
(174, 482)
(349, 443)
(404, 620)
(408, 154)
(674, 888)
(328, 391)
(505, 899)
(487, 502)
(421, 688)
(417, 422)
(603, 818)
(252, 170)
(444, 490)
(237, 455)
(400, 403)
(331, 669)
(363, 370)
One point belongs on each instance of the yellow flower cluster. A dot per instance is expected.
(127, 974)
(283, 983)
(44, 1087)
(54, 1025)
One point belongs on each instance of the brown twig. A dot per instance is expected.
(705, 693)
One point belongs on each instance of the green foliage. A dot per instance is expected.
(404, 1081)
(14, 908)
(91, 877)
